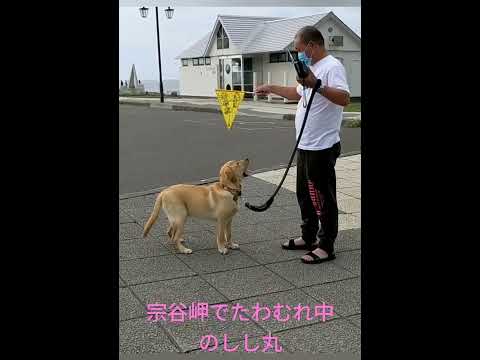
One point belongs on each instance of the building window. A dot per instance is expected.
(278, 57)
(294, 55)
(201, 61)
(336, 40)
(195, 62)
(247, 64)
(237, 78)
(249, 90)
(222, 38)
(184, 62)
(207, 61)
(236, 65)
(248, 77)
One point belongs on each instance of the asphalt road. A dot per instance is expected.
(162, 147)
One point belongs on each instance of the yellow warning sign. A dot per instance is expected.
(229, 101)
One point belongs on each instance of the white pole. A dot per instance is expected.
(269, 98)
(285, 100)
(241, 73)
(255, 97)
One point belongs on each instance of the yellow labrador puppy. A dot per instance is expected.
(218, 202)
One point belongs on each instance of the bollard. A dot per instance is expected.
(269, 79)
(255, 97)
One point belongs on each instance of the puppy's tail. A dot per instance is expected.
(154, 215)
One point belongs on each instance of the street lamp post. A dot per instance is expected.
(169, 14)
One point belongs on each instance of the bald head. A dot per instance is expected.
(309, 34)
(310, 40)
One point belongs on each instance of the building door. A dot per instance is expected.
(227, 74)
(221, 81)
(248, 76)
(236, 73)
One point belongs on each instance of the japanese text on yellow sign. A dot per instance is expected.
(229, 101)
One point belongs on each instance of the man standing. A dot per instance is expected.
(319, 147)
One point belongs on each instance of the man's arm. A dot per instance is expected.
(288, 92)
(334, 94)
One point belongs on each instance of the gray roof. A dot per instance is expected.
(278, 34)
(238, 28)
(252, 34)
(196, 50)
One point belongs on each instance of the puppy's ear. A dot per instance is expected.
(228, 177)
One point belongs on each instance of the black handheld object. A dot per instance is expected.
(300, 67)
(269, 202)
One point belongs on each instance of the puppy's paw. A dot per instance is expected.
(233, 246)
(223, 251)
(185, 250)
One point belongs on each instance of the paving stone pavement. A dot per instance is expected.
(259, 272)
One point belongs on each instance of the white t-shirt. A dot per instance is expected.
(322, 129)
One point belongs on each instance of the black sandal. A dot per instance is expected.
(316, 258)
(292, 246)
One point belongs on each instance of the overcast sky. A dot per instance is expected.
(137, 36)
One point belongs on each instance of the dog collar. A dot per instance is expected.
(235, 192)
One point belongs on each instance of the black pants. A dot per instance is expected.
(317, 195)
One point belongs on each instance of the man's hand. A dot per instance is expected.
(263, 90)
(309, 81)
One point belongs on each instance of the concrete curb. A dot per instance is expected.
(208, 109)
(214, 179)
(123, 102)
(352, 123)
(350, 119)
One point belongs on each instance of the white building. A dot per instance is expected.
(241, 51)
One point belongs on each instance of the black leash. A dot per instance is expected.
(269, 202)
